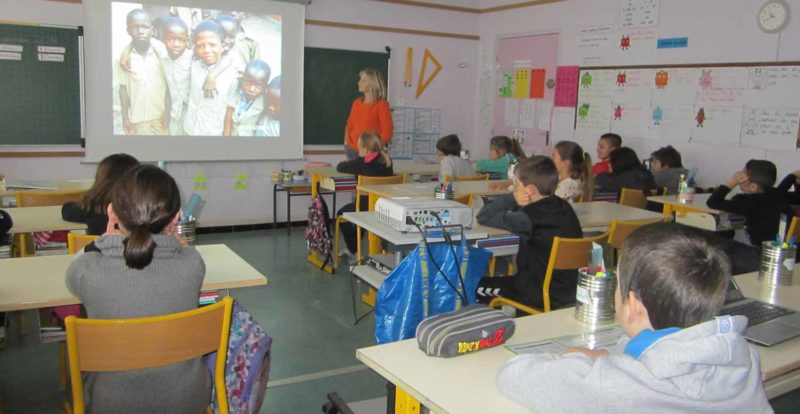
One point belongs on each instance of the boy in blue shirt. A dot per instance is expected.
(677, 357)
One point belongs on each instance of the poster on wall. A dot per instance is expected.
(722, 87)
(675, 85)
(595, 44)
(670, 123)
(773, 87)
(717, 125)
(634, 14)
(770, 128)
(566, 92)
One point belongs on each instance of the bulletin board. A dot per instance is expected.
(754, 105)
(416, 131)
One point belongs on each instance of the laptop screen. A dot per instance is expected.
(733, 294)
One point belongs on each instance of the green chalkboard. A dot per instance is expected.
(40, 88)
(329, 89)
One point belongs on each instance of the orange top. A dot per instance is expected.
(368, 117)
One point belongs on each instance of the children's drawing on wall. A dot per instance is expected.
(625, 42)
(618, 112)
(717, 125)
(700, 117)
(181, 71)
(757, 79)
(671, 122)
(200, 182)
(622, 77)
(705, 79)
(586, 80)
(658, 115)
(662, 79)
(583, 111)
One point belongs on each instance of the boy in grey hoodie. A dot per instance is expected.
(677, 357)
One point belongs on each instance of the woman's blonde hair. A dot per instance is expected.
(377, 87)
(372, 142)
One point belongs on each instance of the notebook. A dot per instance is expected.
(768, 324)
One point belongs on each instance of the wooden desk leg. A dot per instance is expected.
(404, 403)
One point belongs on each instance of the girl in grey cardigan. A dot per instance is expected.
(141, 269)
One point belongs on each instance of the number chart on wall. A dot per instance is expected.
(416, 131)
(733, 105)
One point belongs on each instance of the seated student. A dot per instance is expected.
(626, 172)
(574, 165)
(452, 165)
(761, 204)
(605, 145)
(535, 214)
(791, 180)
(502, 152)
(677, 358)
(92, 209)
(140, 270)
(372, 161)
(667, 168)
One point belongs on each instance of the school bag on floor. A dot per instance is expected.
(247, 364)
(318, 231)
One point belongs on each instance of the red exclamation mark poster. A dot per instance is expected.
(537, 83)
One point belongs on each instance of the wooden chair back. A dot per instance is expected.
(36, 198)
(367, 180)
(102, 345)
(76, 242)
(464, 199)
(567, 254)
(633, 197)
(621, 229)
(794, 230)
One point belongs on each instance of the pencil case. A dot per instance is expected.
(464, 330)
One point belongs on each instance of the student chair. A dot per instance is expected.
(633, 197)
(566, 254)
(479, 177)
(98, 345)
(76, 242)
(362, 180)
(619, 230)
(700, 220)
(465, 199)
(41, 199)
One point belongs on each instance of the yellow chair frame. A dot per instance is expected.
(794, 229)
(36, 198)
(76, 242)
(565, 254)
(633, 197)
(97, 345)
(478, 177)
(619, 230)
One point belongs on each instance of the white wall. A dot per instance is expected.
(718, 31)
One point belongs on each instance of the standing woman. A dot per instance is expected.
(369, 113)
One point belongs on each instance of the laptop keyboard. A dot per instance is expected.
(757, 312)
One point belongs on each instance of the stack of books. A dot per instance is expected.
(347, 183)
(50, 329)
(5, 252)
(208, 297)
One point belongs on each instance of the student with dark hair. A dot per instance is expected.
(536, 214)
(607, 143)
(677, 358)
(92, 209)
(626, 172)
(760, 203)
(448, 149)
(667, 168)
(791, 181)
(502, 152)
(141, 269)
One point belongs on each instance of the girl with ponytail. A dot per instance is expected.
(139, 268)
(574, 165)
(502, 151)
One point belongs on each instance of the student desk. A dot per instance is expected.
(292, 189)
(466, 384)
(12, 186)
(671, 204)
(460, 188)
(598, 215)
(33, 219)
(325, 177)
(38, 282)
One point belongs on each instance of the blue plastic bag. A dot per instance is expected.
(416, 289)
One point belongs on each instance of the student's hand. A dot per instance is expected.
(210, 87)
(128, 126)
(738, 178)
(796, 176)
(500, 186)
(521, 196)
(588, 352)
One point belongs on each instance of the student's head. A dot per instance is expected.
(230, 28)
(370, 142)
(371, 84)
(448, 145)
(537, 176)
(108, 174)
(144, 203)
(274, 97)
(140, 27)
(502, 145)
(669, 275)
(207, 38)
(176, 37)
(665, 157)
(255, 79)
(624, 159)
(607, 143)
(573, 162)
(761, 174)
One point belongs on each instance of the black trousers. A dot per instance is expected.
(349, 229)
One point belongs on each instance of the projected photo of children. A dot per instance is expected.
(184, 71)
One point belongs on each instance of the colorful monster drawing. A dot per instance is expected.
(658, 115)
(583, 111)
(618, 113)
(758, 78)
(662, 79)
(622, 78)
(586, 80)
(625, 42)
(701, 117)
(705, 79)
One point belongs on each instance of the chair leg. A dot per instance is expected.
(492, 263)
(337, 223)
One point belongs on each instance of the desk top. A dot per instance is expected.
(399, 168)
(369, 221)
(427, 189)
(37, 282)
(698, 202)
(600, 214)
(438, 383)
(31, 219)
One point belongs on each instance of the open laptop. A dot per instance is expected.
(768, 324)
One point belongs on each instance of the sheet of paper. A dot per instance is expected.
(630, 119)
(527, 113)
(633, 86)
(722, 87)
(595, 44)
(563, 119)
(671, 123)
(511, 113)
(566, 91)
(774, 128)
(506, 84)
(597, 84)
(594, 115)
(544, 110)
(773, 87)
(603, 338)
(638, 13)
(717, 125)
(538, 79)
(675, 86)
(634, 47)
